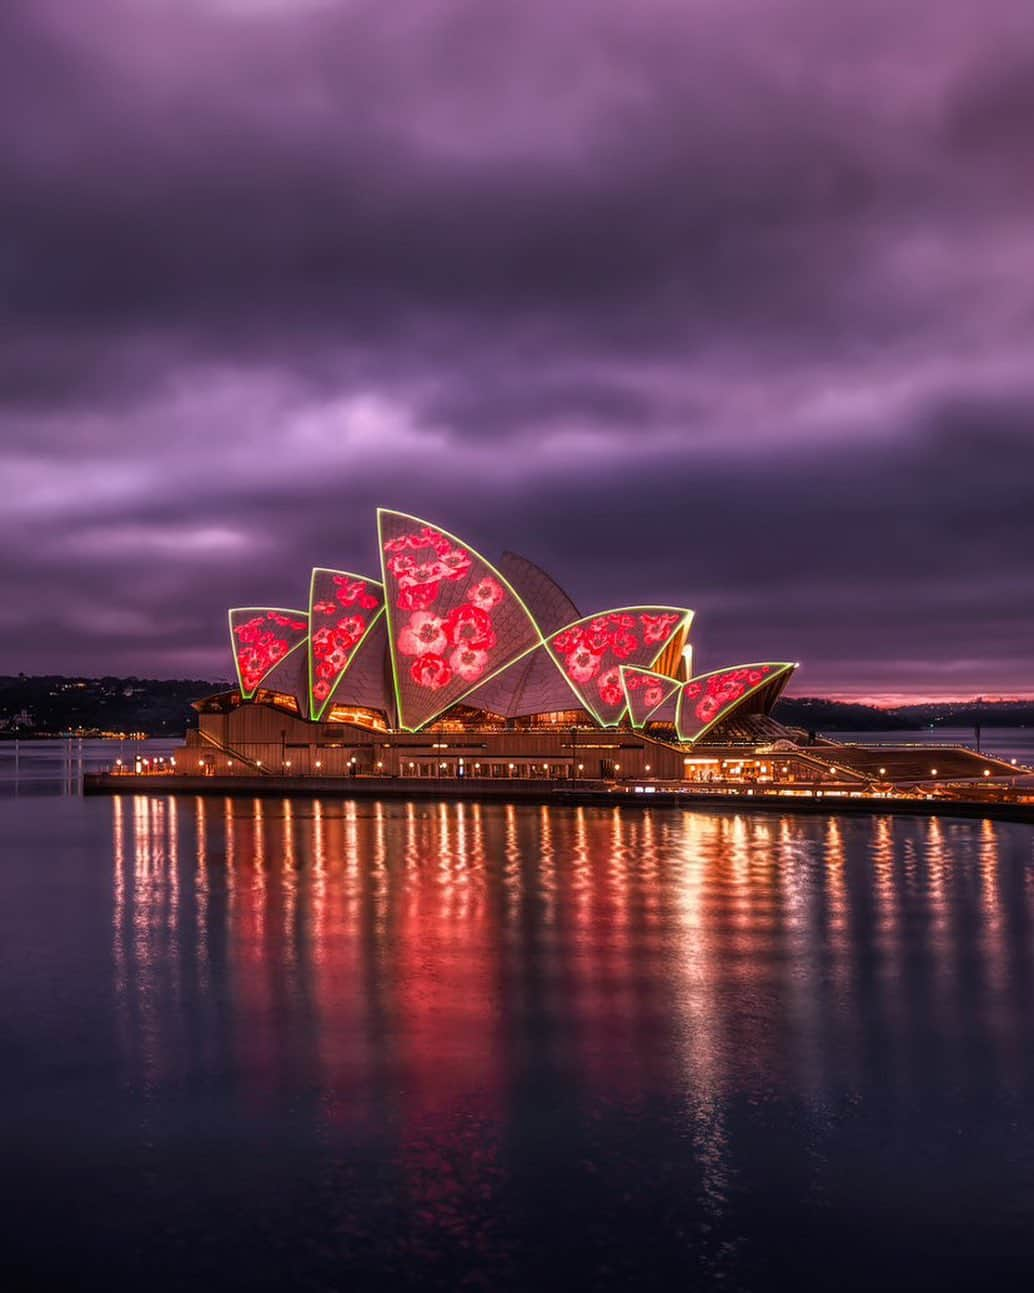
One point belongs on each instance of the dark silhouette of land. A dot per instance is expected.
(49, 705)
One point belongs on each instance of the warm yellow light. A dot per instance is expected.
(987, 772)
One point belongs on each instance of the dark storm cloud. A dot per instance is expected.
(726, 303)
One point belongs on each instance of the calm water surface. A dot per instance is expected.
(333, 1045)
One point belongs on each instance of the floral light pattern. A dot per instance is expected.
(453, 618)
(342, 607)
(592, 651)
(706, 699)
(261, 638)
(646, 692)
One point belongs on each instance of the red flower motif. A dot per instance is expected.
(567, 641)
(624, 643)
(428, 537)
(725, 688)
(468, 663)
(425, 537)
(353, 591)
(423, 572)
(691, 690)
(470, 626)
(455, 563)
(653, 695)
(423, 635)
(323, 641)
(708, 709)
(487, 593)
(583, 665)
(657, 628)
(321, 690)
(352, 628)
(609, 687)
(417, 597)
(597, 639)
(249, 631)
(430, 671)
(622, 621)
(324, 608)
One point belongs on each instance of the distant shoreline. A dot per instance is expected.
(52, 706)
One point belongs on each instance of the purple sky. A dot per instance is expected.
(727, 303)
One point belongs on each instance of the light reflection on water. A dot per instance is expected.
(536, 1045)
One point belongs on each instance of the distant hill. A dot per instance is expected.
(50, 704)
(817, 715)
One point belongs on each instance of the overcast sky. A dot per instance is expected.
(725, 303)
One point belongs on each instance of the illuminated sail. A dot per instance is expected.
(646, 692)
(343, 608)
(706, 700)
(591, 652)
(261, 636)
(453, 619)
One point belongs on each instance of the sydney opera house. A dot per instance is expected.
(446, 665)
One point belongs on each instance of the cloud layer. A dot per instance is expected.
(721, 302)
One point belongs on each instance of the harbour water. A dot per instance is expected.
(323, 1044)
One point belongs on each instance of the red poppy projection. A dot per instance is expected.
(705, 700)
(453, 619)
(646, 692)
(592, 651)
(262, 636)
(343, 607)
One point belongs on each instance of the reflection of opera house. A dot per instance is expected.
(448, 666)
